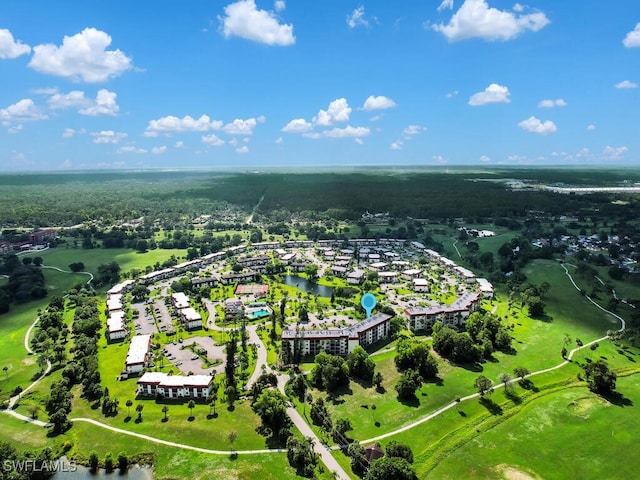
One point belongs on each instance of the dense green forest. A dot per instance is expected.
(169, 197)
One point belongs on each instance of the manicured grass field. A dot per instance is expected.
(571, 433)
(22, 368)
(128, 259)
(171, 463)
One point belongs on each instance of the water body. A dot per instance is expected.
(307, 286)
(83, 473)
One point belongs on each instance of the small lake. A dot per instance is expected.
(307, 286)
(83, 473)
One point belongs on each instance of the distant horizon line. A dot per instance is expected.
(323, 168)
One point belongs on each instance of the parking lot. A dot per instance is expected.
(187, 361)
(144, 324)
(162, 316)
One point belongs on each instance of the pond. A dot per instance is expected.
(84, 473)
(307, 286)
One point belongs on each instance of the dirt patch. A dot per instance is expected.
(582, 407)
(510, 472)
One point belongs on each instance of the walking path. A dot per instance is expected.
(13, 400)
(173, 444)
(476, 395)
(302, 425)
(66, 271)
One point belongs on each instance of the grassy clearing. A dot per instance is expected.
(128, 259)
(592, 431)
(22, 368)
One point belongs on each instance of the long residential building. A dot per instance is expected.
(153, 384)
(138, 356)
(423, 318)
(337, 341)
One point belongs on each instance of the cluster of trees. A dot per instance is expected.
(329, 372)
(600, 377)
(27, 465)
(271, 407)
(301, 456)
(416, 364)
(396, 464)
(532, 296)
(485, 334)
(26, 281)
(83, 368)
(50, 337)
(321, 416)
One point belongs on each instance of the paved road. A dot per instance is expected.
(301, 424)
(262, 354)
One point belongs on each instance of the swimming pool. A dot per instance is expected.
(263, 312)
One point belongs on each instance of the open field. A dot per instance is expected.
(128, 259)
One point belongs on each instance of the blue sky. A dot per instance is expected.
(141, 84)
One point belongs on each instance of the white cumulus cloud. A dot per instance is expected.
(633, 38)
(212, 140)
(534, 125)
(70, 132)
(279, 5)
(243, 19)
(614, 153)
(159, 150)
(338, 112)
(81, 57)
(240, 127)
(378, 103)
(475, 19)
(397, 145)
(297, 125)
(9, 47)
(131, 149)
(170, 124)
(108, 136)
(446, 4)
(485, 159)
(104, 105)
(626, 84)
(23, 111)
(591, 127)
(412, 130)
(547, 103)
(73, 99)
(242, 149)
(347, 132)
(356, 18)
(494, 93)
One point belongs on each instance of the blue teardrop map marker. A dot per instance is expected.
(368, 302)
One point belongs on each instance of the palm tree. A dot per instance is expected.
(191, 405)
(214, 399)
(129, 403)
(5, 369)
(165, 409)
(139, 408)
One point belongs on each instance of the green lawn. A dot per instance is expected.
(570, 433)
(13, 328)
(128, 259)
(171, 463)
